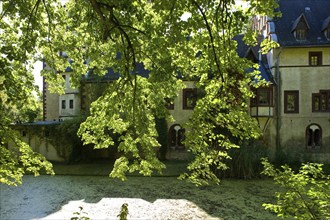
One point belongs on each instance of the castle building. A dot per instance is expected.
(293, 111)
(300, 94)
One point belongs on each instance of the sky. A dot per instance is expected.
(37, 67)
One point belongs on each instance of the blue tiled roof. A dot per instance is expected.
(265, 73)
(316, 12)
(112, 75)
(244, 51)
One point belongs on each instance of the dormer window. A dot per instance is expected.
(300, 34)
(300, 28)
(327, 32)
(326, 28)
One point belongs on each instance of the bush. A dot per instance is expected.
(290, 157)
(245, 162)
(65, 139)
(303, 195)
(80, 215)
(161, 127)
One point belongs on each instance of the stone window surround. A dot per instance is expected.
(71, 104)
(63, 104)
(189, 93)
(312, 56)
(256, 100)
(294, 93)
(323, 94)
(313, 136)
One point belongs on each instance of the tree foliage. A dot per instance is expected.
(98, 34)
(302, 195)
(17, 104)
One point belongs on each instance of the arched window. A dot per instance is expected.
(176, 137)
(313, 136)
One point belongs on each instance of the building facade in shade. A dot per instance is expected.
(293, 111)
(300, 94)
(77, 101)
(60, 107)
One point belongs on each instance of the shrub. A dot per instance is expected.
(80, 215)
(303, 195)
(65, 139)
(161, 127)
(123, 212)
(245, 161)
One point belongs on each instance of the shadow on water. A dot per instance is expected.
(46, 196)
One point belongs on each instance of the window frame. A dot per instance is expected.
(311, 139)
(301, 28)
(301, 34)
(295, 93)
(318, 55)
(322, 94)
(255, 102)
(63, 104)
(71, 104)
(185, 96)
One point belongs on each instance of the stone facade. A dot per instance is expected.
(60, 107)
(301, 70)
(293, 113)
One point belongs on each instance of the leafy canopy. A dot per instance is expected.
(302, 195)
(201, 48)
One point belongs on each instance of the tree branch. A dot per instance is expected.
(96, 7)
(208, 27)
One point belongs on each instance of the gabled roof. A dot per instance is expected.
(252, 53)
(243, 50)
(315, 12)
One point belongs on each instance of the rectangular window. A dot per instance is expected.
(71, 104)
(301, 34)
(315, 58)
(263, 97)
(63, 104)
(316, 102)
(291, 101)
(189, 98)
(321, 101)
